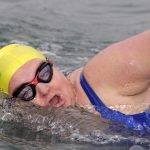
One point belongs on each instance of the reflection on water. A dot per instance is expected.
(69, 32)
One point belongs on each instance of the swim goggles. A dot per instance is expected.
(27, 91)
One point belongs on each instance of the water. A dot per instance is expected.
(70, 32)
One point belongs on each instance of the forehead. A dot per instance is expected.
(24, 74)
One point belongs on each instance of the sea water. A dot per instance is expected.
(70, 32)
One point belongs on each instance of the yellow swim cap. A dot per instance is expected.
(12, 57)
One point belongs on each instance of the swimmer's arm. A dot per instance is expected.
(124, 64)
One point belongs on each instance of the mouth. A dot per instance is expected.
(57, 101)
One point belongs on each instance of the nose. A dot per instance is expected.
(42, 89)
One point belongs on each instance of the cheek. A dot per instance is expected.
(59, 78)
(62, 84)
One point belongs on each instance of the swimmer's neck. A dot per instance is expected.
(81, 100)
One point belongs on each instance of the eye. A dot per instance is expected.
(45, 73)
(26, 93)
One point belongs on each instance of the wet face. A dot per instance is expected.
(56, 93)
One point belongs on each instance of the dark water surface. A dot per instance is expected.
(70, 32)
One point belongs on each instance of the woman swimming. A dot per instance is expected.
(119, 75)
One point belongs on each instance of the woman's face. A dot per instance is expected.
(56, 93)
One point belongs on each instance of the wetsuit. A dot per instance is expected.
(139, 121)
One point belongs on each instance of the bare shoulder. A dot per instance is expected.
(123, 66)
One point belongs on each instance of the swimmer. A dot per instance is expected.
(119, 75)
